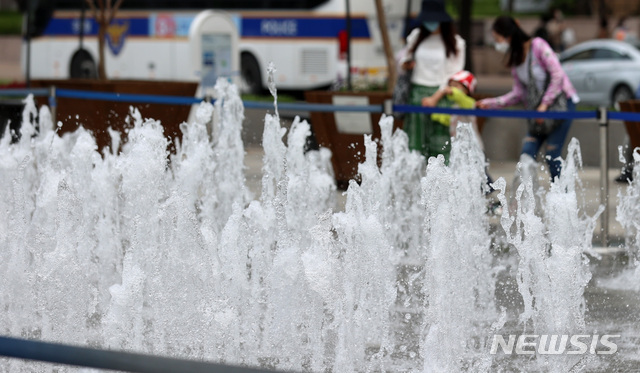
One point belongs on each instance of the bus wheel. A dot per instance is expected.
(83, 66)
(250, 71)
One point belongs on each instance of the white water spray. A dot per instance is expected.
(458, 279)
(552, 270)
(125, 250)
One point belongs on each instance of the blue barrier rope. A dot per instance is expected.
(180, 100)
(623, 115)
(499, 113)
(111, 360)
(127, 97)
(21, 92)
(314, 107)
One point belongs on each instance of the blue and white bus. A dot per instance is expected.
(306, 40)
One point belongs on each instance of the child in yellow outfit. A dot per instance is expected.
(459, 90)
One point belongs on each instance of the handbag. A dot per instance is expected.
(534, 98)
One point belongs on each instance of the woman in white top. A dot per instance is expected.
(436, 52)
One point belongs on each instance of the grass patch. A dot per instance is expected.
(268, 98)
(357, 86)
(492, 9)
(581, 107)
(480, 8)
(10, 23)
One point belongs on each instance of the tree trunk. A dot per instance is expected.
(103, 14)
(102, 34)
(603, 10)
(388, 51)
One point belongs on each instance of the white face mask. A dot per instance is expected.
(502, 47)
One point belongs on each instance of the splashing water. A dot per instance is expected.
(126, 250)
(553, 270)
(458, 263)
(628, 214)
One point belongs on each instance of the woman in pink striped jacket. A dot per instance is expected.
(535, 68)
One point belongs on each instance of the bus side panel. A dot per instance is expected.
(182, 66)
(52, 60)
(318, 62)
(304, 64)
(139, 59)
(303, 45)
(41, 60)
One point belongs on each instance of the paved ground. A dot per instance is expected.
(10, 48)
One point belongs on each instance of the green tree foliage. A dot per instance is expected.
(10, 23)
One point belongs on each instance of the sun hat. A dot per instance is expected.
(433, 11)
(465, 78)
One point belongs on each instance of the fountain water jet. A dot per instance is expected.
(125, 250)
(628, 214)
(553, 270)
(457, 259)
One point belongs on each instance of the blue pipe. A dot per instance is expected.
(112, 360)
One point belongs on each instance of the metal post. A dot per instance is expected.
(604, 175)
(348, 20)
(28, 32)
(407, 20)
(387, 107)
(53, 105)
(82, 19)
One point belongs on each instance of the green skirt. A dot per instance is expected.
(425, 135)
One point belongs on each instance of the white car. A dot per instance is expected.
(603, 71)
